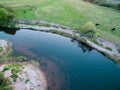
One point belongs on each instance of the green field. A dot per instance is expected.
(72, 13)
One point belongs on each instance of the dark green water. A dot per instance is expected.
(66, 64)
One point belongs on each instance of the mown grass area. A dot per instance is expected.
(72, 13)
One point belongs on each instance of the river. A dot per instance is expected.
(67, 64)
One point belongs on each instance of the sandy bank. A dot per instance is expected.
(4, 45)
(29, 78)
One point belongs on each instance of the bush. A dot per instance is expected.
(88, 27)
(109, 48)
(1, 49)
(14, 76)
(27, 80)
(4, 83)
(7, 67)
(5, 16)
(15, 69)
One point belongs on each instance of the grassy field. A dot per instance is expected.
(72, 13)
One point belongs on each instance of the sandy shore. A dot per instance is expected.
(30, 78)
(5, 45)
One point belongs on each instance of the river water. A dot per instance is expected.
(67, 64)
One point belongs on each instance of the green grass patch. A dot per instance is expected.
(1, 49)
(74, 13)
(27, 80)
(5, 83)
(15, 69)
(7, 56)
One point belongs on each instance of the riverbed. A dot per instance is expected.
(67, 64)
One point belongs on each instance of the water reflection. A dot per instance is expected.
(8, 30)
(83, 46)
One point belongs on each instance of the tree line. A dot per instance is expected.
(106, 3)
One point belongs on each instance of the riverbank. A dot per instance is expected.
(30, 77)
(22, 74)
(109, 49)
(4, 47)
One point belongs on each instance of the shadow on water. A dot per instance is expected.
(9, 30)
(84, 47)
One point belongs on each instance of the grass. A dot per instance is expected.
(27, 80)
(72, 13)
(1, 49)
(6, 56)
(5, 83)
(15, 69)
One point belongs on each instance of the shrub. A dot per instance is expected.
(15, 69)
(89, 29)
(7, 67)
(14, 76)
(27, 80)
(4, 83)
(5, 16)
(1, 49)
(109, 48)
(119, 49)
(88, 26)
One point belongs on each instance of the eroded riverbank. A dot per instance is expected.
(109, 49)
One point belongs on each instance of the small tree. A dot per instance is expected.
(89, 26)
(4, 16)
(89, 29)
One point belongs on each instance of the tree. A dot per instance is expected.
(89, 29)
(4, 16)
(89, 26)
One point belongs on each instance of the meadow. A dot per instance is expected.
(73, 13)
